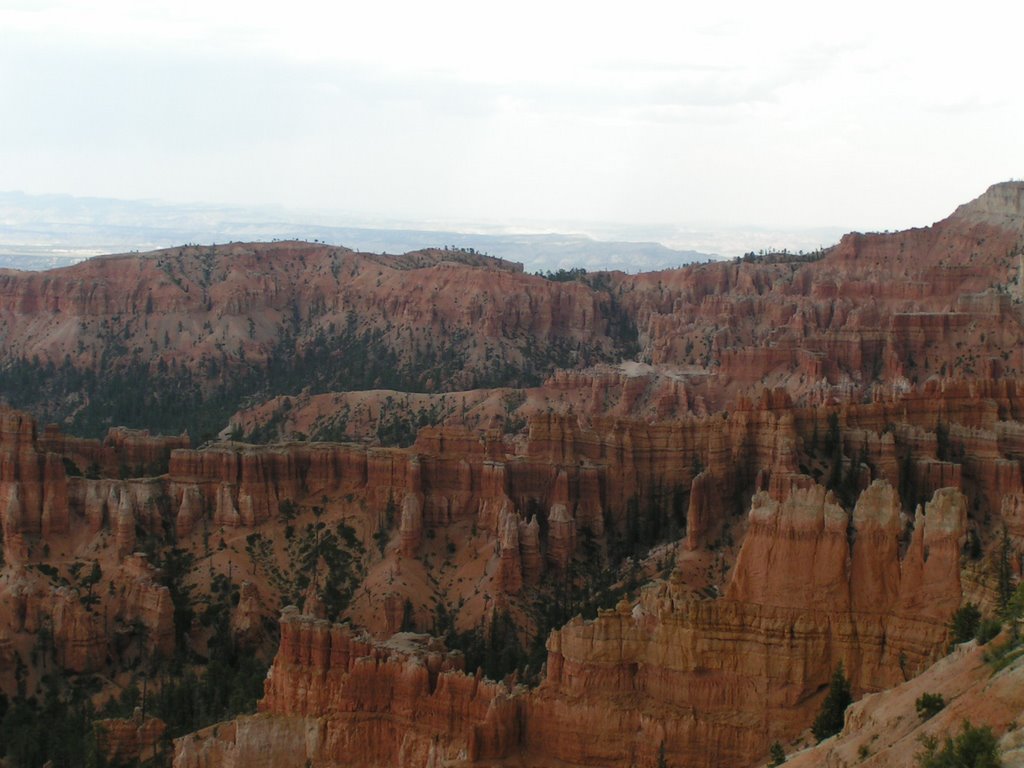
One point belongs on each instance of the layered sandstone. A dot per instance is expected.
(124, 741)
(936, 301)
(266, 297)
(134, 621)
(885, 730)
(673, 671)
(414, 689)
(570, 480)
(741, 671)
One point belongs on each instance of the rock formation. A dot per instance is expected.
(122, 741)
(673, 670)
(412, 687)
(812, 458)
(885, 730)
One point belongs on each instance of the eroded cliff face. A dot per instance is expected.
(904, 306)
(712, 682)
(124, 741)
(506, 513)
(334, 697)
(739, 672)
(222, 324)
(125, 615)
(885, 730)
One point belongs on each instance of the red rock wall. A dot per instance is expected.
(405, 702)
(714, 681)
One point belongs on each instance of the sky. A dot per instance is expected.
(862, 115)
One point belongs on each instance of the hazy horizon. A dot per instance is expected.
(43, 231)
(789, 116)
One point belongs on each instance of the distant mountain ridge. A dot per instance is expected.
(45, 231)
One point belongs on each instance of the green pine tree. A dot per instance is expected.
(830, 719)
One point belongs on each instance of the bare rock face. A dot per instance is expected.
(260, 741)
(672, 669)
(414, 688)
(144, 601)
(79, 637)
(411, 526)
(561, 536)
(530, 555)
(95, 507)
(510, 565)
(875, 562)
(247, 620)
(742, 671)
(795, 553)
(33, 487)
(1012, 513)
(1001, 205)
(700, 513)
(125, 525)
(190, 511)
(227, 511)
(78, 632)
(122, 741)
(122, 451)
(901, 305)
(932, 561)
(808, 552)
(40, 503)
(15, 548)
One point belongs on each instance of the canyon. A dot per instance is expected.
(473, 516)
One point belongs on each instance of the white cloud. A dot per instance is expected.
(785, 113)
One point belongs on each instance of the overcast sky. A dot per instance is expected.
(858, 114)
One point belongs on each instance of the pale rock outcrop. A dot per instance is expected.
(510, 565)
(125, 532)
(410, 530)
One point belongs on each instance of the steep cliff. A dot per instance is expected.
(886, 729)
(704, 682)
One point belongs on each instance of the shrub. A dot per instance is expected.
(964, 624)
(929, 704)
(972, 748)
(830, 719)
(777, 754)
(286, 510)
(987, 629)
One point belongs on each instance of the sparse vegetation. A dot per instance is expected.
(988, 628)
(973, 747)
(929, 704)
(309, 353)
(965, 622)
(329, 559)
